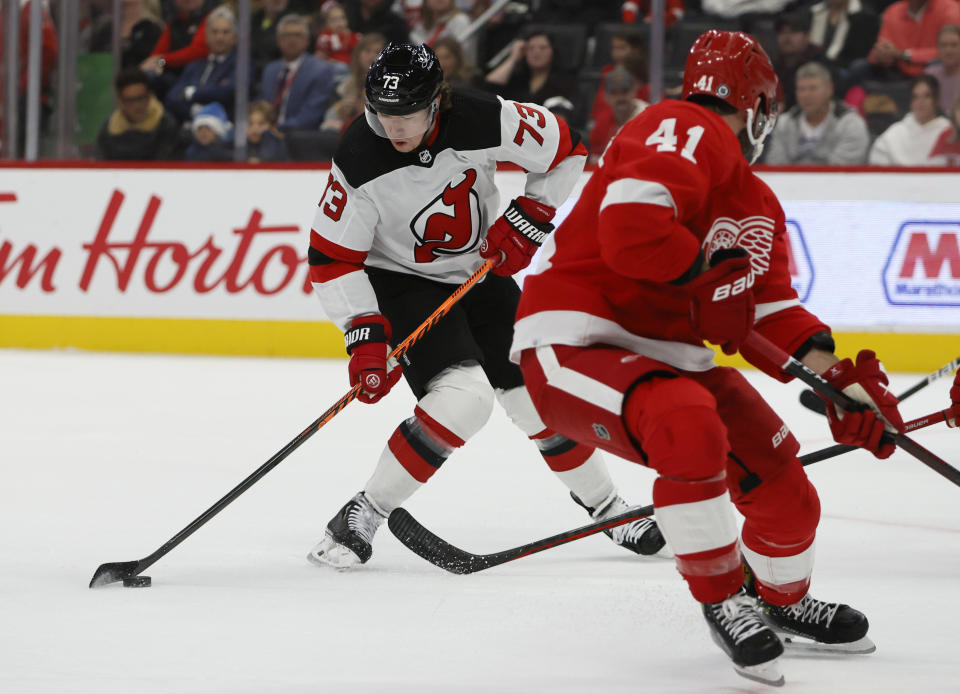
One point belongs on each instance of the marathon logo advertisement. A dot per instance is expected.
(801, 268)
(923, 268)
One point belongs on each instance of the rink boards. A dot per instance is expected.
(213, 260)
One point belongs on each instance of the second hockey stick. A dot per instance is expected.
(812, 401)
(117, 571)
(441, 553)
(795, 368)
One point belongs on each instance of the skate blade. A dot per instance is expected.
(765, 673)
(798, 645)
(328, 553)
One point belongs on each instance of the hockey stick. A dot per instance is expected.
(421, 541)
(812, 401)
(116, 571)
(455, 560)
(777, 356)
(841, 448)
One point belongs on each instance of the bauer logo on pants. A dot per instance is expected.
(923, 268)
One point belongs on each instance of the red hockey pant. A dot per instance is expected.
(711, 438)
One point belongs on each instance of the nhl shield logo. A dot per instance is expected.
(601, 432)
(425, 157)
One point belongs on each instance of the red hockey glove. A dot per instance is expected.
(368, 349)
(865, 382)
(722, 304)
(952, 413)
(513, 239)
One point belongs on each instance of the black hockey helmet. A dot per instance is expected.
(404, 78)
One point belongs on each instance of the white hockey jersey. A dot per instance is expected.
(425, 212)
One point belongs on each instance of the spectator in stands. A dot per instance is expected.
(49, 47)
(369, 16)
(211, 135)
(908, 35)
(183, 40)
(585, 12)
(561, 107)
(458, 69)
(263, 34)
(620, 87)
(633, 10)
(139, 129)
(819, 129)
(910, 141)
(731, 9)
(795, 49)
(264, 141)
(212, 78)
(442, 18)
(947, 68)
(298, 85)
(947, 145)
(140, 28)
(528, 73)
(336, 41)
(624, 45)
(350, 90)
(843, 29)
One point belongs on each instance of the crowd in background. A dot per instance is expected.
(864, 81)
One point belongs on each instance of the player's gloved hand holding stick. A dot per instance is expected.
(722, 303)
(370, 363)
(865, 382)
(513, 239)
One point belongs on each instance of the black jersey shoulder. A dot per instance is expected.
(471, 123)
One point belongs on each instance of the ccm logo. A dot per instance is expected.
(781, 435)
(725, 291)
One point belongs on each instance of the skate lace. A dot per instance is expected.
(812, 611)
(737, 617)
(363, 519)
(632, 532)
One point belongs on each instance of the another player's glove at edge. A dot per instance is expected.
(722, 306)
(865, 382)
(367, 344)
(513, 239)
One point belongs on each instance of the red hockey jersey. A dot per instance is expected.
(672, 184)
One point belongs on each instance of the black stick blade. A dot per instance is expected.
(812, 401)
(441, 553)
(434, 549)
(113, 572)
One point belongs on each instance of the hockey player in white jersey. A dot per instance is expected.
(408, 214)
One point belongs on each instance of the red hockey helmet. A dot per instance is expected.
(733, 67)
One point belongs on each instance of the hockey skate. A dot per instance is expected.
(753, 647)
(640, 536)
(349, 534)
(816, 626)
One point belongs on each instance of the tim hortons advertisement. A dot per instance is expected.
(232, 244)
(185, 244)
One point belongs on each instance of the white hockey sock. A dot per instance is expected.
(590, 481)
(390, 485)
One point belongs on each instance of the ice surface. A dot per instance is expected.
(105, 457)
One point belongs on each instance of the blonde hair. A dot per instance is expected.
(265, 109)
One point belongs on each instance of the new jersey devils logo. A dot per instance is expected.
(753, 234)
(450, 223)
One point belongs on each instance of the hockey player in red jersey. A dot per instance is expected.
(674, 242)
(408, 213)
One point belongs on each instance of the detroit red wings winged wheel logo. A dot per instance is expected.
(753, 234)
(450, 223)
